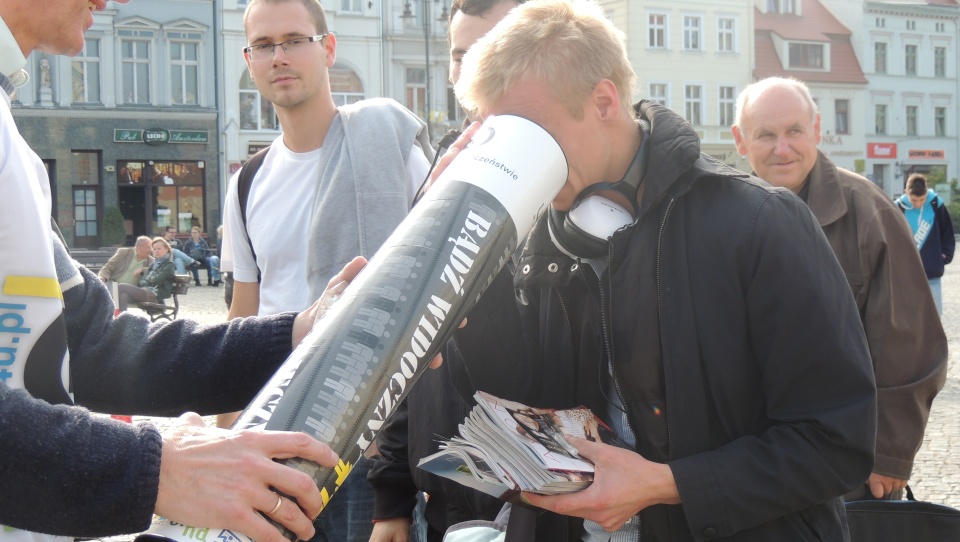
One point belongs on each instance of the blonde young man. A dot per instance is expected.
(715, 333)
(333, 186)
(778, 129)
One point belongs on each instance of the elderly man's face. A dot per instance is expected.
(144, 250)
(779, 137)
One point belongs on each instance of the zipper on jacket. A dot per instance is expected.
(666, 388)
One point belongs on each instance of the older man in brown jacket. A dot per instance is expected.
(778, 130)
(121, 266)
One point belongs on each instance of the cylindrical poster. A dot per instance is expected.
(361, 359)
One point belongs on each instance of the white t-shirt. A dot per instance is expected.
(279, 210)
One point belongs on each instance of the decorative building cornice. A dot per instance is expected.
(113, 113)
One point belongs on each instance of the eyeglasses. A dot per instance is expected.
(264, 51)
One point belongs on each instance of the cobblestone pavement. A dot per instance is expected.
(936, 475)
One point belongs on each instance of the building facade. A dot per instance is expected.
(910, 57)
(694, 57)
(131, 122)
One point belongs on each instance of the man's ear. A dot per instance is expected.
(246, 58)
(738, 138)
(330, 45)
(606, 100)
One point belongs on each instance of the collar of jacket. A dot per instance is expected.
(824, 194)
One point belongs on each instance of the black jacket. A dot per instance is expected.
(736, 345)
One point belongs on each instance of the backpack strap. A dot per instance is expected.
(245, 181)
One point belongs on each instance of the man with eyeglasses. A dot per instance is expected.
(333, 186)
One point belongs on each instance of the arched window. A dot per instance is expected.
(255, 112)
(345, 85)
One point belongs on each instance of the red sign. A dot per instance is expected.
(235, 167)
(882, 150)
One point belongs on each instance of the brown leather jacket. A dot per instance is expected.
(908, 347)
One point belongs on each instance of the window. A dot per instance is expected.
(176, 190)
(911, 25)
(657, 31)
(806, 55)
(416, 91)
(353, 6)
(255, 112)
(912, 120)
(658, 93)
(85, 69)
(940, 61)
(184, 70)
(880, 57)
(910, 59)
(842, 111)
(85, 166)
(345, 85)
(880, 119)
(135, 59)
(940, 27)
(726, 34)
(881, 22)
(693, 104)
(691, 33)
(786, 7)
(728, 106)
(940, 121)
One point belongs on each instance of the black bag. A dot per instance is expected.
(901, 521)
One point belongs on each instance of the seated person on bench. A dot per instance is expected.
(155, 282)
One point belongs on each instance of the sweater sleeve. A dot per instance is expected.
(66, 472)
(167, 368)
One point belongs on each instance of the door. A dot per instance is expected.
(86, 216)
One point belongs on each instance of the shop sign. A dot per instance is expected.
(914, 154)
(155, 136)
(254, 148)
(186, 136)
(882, 150)
(127, 136)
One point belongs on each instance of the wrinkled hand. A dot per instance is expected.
(624, 483)
(881, 486)
(335, 287)
(211, 477)
(452, 153)
(391, 530)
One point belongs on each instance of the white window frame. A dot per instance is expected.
(133, 63)
(86, 64)
(910, 61)
(693, 106)
(727, 105)
(880, 115)
(351, 6)
(248, 91)
(658, 31)
(881, 61)
(911, 120)
(663, 99)
(692, 33)
(940, 121)
(412, 90)
(726, 36)
(939, 61)
(183, 66)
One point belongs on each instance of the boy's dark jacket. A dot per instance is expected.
(735, 342)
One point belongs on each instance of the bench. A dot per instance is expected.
(93, 259)
(157, 311)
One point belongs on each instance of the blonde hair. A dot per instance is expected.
(569, 45)
(162, 241)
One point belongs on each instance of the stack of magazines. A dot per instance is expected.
(506, 447)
